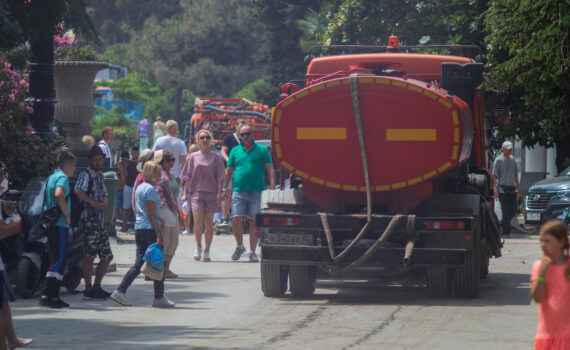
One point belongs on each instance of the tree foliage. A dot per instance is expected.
(529, 59)
(156, 99)
(281, 52)
(414, 22)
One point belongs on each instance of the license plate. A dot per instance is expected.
(533, 216)
(287, 238)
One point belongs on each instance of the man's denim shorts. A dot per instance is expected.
(246, 203)
(119, 200)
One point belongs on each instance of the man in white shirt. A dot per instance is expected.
(108, 135)
(174, 145)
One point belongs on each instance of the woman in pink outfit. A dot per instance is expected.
(550, 287)
(203, 174)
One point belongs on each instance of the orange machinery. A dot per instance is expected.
(219, 115)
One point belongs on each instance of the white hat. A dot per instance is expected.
(507, 145)
(146, 155)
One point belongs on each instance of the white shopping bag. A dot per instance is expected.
(498, 209)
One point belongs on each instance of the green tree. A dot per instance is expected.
(414, 22)
(207, 48)
(281, 52)
(528, 58)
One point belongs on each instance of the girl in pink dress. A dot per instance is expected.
(550, 287)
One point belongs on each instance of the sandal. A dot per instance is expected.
(171, 274)
(23, 342)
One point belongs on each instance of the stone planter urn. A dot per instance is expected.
(74, 94)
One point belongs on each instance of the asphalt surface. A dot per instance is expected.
(219, 305)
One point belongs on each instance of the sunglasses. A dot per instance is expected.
(246, 133)
(169, 159)
(207, 137)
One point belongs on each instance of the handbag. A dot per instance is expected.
(45, 221)
(168, 217)
(151, 272)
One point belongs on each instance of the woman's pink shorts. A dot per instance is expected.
(204, 201)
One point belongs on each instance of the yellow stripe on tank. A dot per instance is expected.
(442, 168)
(317, 87)
(445, 103)
(333, 185)
(287, 166)
(302, 174)
(415, 88)
(411, 135)
(317, 180)
(430, 174)
(455, 152)
(301, 94)
(321, 133)
(430, 94)
(278, 150)
(398, 185)
(383, 188)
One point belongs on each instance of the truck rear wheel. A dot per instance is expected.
(273, 279)
(438, 282)
(302, 280)
(467, 278)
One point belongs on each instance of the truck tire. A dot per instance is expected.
(28, 278)
(302, 280)
(438, 282)
(467, 278)
(273, 279)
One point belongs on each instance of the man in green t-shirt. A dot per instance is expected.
(248, 160)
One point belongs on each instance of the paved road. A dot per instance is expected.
(220, 306)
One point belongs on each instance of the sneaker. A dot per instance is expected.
(102, 291)
(224, 221)
(163, 302)
(185, 233)
(253, 257)
(120, 298)
(54, 303)
(124, 229)
(238, 252)
(95, 293)
(60, 303)
(197, 254)
(206, 256)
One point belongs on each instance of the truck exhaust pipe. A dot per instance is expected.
(408, 252)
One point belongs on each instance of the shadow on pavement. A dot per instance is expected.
(496, 290)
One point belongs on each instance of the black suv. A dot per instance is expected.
(547, 199)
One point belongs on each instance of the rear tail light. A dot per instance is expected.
(281, 221)
(445, 225)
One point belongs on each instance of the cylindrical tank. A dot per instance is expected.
(413, 131)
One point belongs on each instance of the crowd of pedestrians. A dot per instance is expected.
(152, 184)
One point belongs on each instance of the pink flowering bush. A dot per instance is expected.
(68, 48)
(24, 153)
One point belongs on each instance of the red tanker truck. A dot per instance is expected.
(391, 151)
